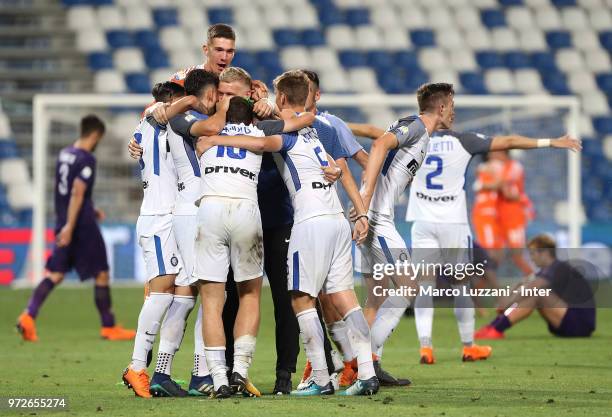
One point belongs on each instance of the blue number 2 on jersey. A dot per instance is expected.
(433, 159)
(230, 152)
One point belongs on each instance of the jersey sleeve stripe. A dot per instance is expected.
(292, 170)
(385, 249)
(156, 151)
(160, 255)
(191, 155)
(388, 161)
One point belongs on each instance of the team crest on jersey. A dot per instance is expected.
(404, 129)
(174, 260)
(190, 117)
(86, 172)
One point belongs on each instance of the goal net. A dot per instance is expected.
(552, 178)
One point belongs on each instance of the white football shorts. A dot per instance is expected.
(441, 242)
(228, 233)
(185, 233)
(319, 255)
(156, 238)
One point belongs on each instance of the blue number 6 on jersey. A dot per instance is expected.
(431, 159)
(231, 153)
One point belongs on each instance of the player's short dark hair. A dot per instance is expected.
(543, 242)
(220, 30)
(295, 85)
(198, 80)
(313, 77)
(166, 91)
(92, 124)
(240, 111)
(429, 95)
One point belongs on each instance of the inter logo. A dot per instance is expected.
(174, 260)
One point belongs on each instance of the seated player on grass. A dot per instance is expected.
(569, 309)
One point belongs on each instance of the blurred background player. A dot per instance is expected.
(569, 310)
(79, 243)
(157, 240)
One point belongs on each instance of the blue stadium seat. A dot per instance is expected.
(414, 79)
(380, 59)
(603, 125)
(220, 15)
(156, 59)
(473, 82)
(555, 82)
(357, 16)
(543, 61)
(268, 58)
(604, 81)
(147, 39)
(138, 82)
(517, 60)
(392, 80)
(352, 58)
(100, 60)
(564, 3)
(165, 16)
(606, 40)
(507, 3)
(591, 147)
(493, 18)
(313, 37)
(8, 149)
(407, 59)
(287, 37)
(330, 15)
(245, 60)
(489, 59)
(422, 38)
(120, 38)
(559, 39)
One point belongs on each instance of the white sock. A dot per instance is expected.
(312, 338)
(387, 318)
(172, 331)
(244, 348)
(466, 321)
(151, 313)
(215, 359)
(199, 357)
(379, 352)
(423, 317)
(339, 334)
(359, 332)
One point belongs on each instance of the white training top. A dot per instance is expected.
(401, 163)
(156, 169)
(231, 172)
(299, 163)
(437, 193)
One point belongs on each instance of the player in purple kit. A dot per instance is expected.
(79, 243)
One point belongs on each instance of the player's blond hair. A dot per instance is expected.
(232, 74)
(293, 84)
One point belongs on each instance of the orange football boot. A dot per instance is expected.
(427, 356)
(137, 381)
(307, 371)
(488, 332)
(476, 352)
(349, 374)
(117, 333)
(27, 327)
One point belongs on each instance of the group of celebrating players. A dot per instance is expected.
(236, 184)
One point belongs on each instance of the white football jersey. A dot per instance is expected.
(231, 172)
(401, 163)
(182, 148)
(156, 169)
(437, 193)
(299, 163)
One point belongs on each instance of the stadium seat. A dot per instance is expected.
(259, 39)
(449, 38)
(81, 17)
(532, 40)
(569, 60)
(384, 16)
(463, 60)
(528, 81)
(295, 57)
(585, 40)
(138, 18)
(431, 59)
(363, 80)
(156, 59)
(173, 36)
(519, 18)
(543, 61)
(516, 60)
(191, 18)
(120, 39)
(574, 18)
(100, 60)
(489, 59)
(13, 171)
(422, 38)
(334, 80)
(129, 60)
(138, 82)
(478, 39)
(287, 37)
(380, 60)
(147, 39)
(352, 58)
(595, 103)
(468, 18)
(598, 60)
(304, 17)
(109, 81)
(268, 58)
(604, 81)
(603, 125)
(492, 18)
(21, 196)
(581, 82)
(220, 15)
(312, 37)
(600, 19)
(110, 17)
(559, 39)
(555, 83)
(340, 37)
(504, 39)
(499, 81)
(606, 40)
(447, 76)
(357, 16)
(407, 60)
(548, 18)
(440, 17)
(184, 58)
(91, 40)
(324, 58)
(8, 149)
(330, 16)
(368, 37)
(412, 18)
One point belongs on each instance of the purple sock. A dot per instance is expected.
(39, 295)
(501, 323)
(103, 302)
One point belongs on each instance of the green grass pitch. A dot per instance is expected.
(530, 373)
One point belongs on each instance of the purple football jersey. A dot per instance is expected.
(74, 163)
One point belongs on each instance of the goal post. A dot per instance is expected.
(48, 108)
